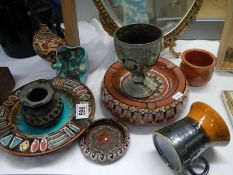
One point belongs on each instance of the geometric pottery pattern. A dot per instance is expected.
(21, 143)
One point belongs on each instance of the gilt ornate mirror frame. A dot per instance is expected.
(170, 38)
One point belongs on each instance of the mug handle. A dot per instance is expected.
(206, 168)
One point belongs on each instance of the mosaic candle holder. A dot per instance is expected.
(40, 105)
(20, 138)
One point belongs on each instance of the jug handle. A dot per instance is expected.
(206, 168)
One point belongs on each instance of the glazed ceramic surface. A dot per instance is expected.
(72, 62)
(138, 47)
(198, 66)
(19, 138)
(168, 100)
(202, 128)
(105, 141)
(40, 105)
(49, 37)
(46, 43)
(211, 122)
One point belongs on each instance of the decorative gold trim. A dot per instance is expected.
(169, 39)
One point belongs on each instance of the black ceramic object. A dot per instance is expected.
(16, 29)
(40, 105)
(7, 83)
(183, 142)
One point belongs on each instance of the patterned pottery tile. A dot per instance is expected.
(6, 140)
(13, 98)
(69, 132)
(8, 103)
(78, 88)
(85, 97)
(74, 128)
(16, 140)
(43, 144)
(24, 146)
(35, 145)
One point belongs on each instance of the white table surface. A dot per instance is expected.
(142, 157)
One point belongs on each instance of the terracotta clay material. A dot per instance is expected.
(198, 66)
(162, 106)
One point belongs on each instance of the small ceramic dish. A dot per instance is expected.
(105, 141)
(198, 66)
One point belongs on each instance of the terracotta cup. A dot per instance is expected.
(183, 142)
(198, 66)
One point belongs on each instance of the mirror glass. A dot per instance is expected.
(164, 13)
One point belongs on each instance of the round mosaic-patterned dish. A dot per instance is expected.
(105, 141)
(19, 138)
(167, 101)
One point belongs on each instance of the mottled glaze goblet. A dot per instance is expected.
(138, 47)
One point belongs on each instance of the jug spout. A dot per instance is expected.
(213, 124)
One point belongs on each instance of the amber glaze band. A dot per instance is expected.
(213, 124)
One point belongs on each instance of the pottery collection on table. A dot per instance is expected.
(141, 88)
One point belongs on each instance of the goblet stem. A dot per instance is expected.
(138, 78)
(138, 86)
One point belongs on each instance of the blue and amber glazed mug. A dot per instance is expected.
(72, 62)
(181, 143)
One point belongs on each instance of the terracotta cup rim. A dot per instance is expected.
(209, 54)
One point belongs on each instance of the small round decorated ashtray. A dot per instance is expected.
(105, 141)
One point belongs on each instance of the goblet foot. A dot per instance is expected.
(138, 90)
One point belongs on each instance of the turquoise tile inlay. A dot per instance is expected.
(69, 132)
(15, 142)
(5, 141)
(74, 128)
(66, 116)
